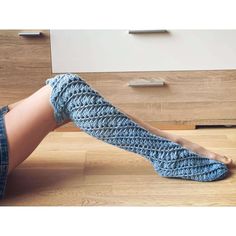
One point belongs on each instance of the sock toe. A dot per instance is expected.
(192, 167)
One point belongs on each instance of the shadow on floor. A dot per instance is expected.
(37, 180)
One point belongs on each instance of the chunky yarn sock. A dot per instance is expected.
(72, 98)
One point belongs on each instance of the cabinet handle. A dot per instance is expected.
(143, 82)
(30, 34)
(161, 31)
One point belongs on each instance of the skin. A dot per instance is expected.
(31, 119)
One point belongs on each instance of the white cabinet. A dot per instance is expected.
(118, 50)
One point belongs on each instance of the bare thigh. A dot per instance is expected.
(27, 124)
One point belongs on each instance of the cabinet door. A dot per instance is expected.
(186, 99)
(25, 63)
(118, 50)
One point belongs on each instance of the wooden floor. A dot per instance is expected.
(72, 168)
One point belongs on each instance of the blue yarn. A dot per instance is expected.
(72, 98)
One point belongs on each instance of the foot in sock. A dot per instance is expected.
(72, 98)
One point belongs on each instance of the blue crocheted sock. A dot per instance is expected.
(72, 98)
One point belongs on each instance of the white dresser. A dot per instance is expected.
(124, 50)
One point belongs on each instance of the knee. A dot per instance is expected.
(62, 80)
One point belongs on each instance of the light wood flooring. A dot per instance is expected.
(72, 168)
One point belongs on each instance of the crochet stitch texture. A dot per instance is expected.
(72, 98)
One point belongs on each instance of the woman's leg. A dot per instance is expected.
(175, 138)
(31, 119)
(27, 123)
(73, 98)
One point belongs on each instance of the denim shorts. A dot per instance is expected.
(3, 152)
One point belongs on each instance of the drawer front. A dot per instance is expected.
(25, 63)
(197, 97)
(117, 50)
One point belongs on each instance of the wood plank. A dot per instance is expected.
(25, 64)
(74, 169)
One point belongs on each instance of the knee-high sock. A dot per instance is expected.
(73, 98)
